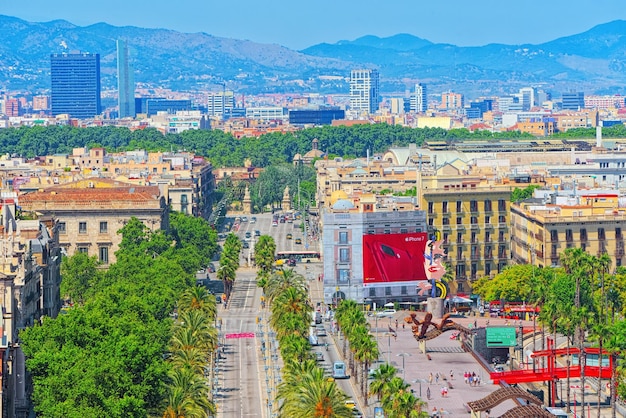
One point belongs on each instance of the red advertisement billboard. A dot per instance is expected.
(389, 258)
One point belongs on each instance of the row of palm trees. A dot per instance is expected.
(361, 349)
(305, 390)
(193, 343)
(229, 263)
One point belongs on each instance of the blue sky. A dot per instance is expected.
(299, 24)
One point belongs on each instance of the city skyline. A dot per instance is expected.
(332, 22)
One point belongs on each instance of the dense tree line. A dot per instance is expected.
(223, 149)
(106, 355)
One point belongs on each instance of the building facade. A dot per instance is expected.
(344, 224)
(75, 85)
(543, 227)
(419, 99)
(125, 82)
(218, 104)
(30, 290)
(364, 90)
(91, 211)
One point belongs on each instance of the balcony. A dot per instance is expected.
(475, 227)
(502, 256)
(475, 256)
(502, 225)
(460, 258)
(488, 226)
(488, 256)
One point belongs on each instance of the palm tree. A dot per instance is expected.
(366, 352)
(265, 253)
(200, 327)
(198, 298)
(389, 400)
(192, 358)
(615, 344)
(283, 279)
(188, 395)
(381, 378)
(315, 397)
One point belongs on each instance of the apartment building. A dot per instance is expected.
(91, 211)
(471, 215)
(543, 227)
(29, 288)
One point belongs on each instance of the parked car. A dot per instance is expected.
(257, 233)
(289, 236)
(244, 219)
(386, 313)
(298, 240)
(253, 220)
(245, 244)
(211, 268)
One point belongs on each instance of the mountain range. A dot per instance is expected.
(593, 61)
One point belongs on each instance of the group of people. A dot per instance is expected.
(471, 378)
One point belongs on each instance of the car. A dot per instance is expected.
(289, 236)
(350, 404)
(211, 268)
(319, 356)
(253, 220)
(291, 262)
(244, 219)
(257, 233)
(274, 223)
(499, 368)
(248, 234)
(357, 414)
(386, 313)
(321, 332)
(245, 245)
(298, 240)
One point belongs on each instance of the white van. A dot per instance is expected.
(339, 370)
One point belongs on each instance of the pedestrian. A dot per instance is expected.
(428, 393)
(442, 392)
(437, 378)
(403, 325)
(396, 324)
(430, 378)
(395, 337)
(451, 375)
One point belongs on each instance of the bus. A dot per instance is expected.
(299, 256)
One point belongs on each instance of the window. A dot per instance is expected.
(343, 237)
(61, 228)
(104, 255)
(473, 239)
(459, 237)
(404, 230)
(431, 207)
(387, 291)
(487, 268)
(459, 206)
(460, 271)
(487, 236)
(502, 205)
(487, 205)
(487, 220)
(474, 220)
(184, 202)
(431, 222)
(459, 220)
(474, 269)
(445, 221)
(343, 275)
(583, 235)
(502, 219)
(84, 250)
(445, 237)
(82, 227)
(403, 290)
(104, 227)
(444, 207)
(501, 236)
(473, 206)
(601, 235)
(344, 255)
(372, 292)
(618, 233)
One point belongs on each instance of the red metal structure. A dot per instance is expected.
(552, 373)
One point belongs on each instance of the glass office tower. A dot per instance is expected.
(75, 84)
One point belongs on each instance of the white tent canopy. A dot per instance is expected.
(459, 299)
(389, 305)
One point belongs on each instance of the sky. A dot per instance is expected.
(299, 24)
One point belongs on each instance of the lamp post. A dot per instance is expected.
(403, 355)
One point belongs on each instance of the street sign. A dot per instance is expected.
(501, 337)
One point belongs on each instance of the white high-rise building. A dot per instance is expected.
(419, 101)
(364, 90)
(220, 103)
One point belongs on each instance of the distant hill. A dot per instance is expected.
(594, 61)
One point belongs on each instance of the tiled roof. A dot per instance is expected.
(87, 196)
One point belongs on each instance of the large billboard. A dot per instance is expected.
(393, 258)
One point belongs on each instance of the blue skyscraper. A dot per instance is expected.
(75, 83)
(125, 82)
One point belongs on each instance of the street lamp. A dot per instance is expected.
(403, 355)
